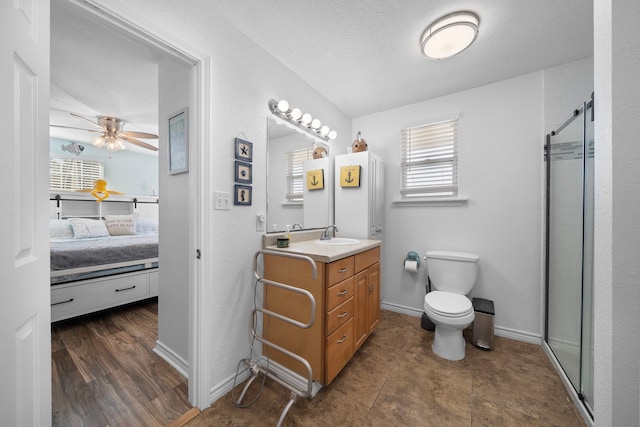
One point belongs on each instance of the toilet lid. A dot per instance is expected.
(448, 303)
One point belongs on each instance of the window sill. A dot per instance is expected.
(435, 201)
(292, 204)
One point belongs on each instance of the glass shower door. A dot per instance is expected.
(565, 222)
(570, 219)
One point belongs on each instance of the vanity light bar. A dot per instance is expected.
(303, 121)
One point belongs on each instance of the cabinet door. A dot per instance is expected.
(360, 327)
(373, 309)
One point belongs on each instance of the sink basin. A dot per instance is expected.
(337, 241)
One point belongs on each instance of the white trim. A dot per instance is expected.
(402, 309)
(567, 384)
(226, 386)
(500, 331)
(143, 30)
(172, 358)
(434, 201)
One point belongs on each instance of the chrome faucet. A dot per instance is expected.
(296, 225)
(326, 234)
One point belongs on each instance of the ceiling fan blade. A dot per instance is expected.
(71, 127)
(89, 120)
(137, 142)
(133, 134)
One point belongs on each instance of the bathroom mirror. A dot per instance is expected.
(286, 147)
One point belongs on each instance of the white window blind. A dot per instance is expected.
(430, 160)
(295, 181)
(73, 174)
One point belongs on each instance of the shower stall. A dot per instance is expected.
(569, 155)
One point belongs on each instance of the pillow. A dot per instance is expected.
(60, 229)
(146, 225)
(119, 225)
(84, 228)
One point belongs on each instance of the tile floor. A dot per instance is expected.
(396, 380)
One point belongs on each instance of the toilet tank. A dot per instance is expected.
(452, 271)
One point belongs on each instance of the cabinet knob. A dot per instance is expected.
(340, 316)
(344, 292)
(343, 339)
(343, 270)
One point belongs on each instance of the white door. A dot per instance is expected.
(25, 334)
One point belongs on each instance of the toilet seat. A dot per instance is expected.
(448, 304)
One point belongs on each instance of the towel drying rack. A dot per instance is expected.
(252, 365)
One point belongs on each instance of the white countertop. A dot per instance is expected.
(326, 253)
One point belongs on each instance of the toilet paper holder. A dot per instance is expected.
(412, 256)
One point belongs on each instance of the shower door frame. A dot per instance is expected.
(583, 110)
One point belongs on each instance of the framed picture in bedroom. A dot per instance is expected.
(179, 142)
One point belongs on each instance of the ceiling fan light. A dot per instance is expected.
(99, 141)
(119, 144)
(450, 35)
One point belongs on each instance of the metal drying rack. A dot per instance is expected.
(253, 366)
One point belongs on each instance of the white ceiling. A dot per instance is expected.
(362, 55)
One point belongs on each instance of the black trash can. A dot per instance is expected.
(483, 323)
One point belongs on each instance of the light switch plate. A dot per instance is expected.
(222, 200)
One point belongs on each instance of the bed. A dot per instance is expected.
(102, 254)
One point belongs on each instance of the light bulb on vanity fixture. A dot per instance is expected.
(302, 121)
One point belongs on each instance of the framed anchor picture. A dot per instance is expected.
(350, 176)
(315, 179)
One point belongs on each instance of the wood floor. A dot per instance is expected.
(105, 373)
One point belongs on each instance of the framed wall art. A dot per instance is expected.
(244, 150)
(244, 172)
(242, 195)
(179, 142)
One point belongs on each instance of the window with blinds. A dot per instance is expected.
(430, 160)
(73, 174)
(295, 179)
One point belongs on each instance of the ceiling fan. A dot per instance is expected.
(112, 133)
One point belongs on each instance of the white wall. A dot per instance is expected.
(500, 171)
(617, 209)
(243, 79)
(131, 173)
(174, 251)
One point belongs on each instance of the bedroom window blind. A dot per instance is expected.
(73, 174)
(295, 181)
(429, 161)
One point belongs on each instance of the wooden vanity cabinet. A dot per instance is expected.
(367, 288)
(347, 293)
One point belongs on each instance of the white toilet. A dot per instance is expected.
(452, 276)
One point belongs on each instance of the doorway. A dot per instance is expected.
(197, 75)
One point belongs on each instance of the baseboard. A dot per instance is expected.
(517, 335)
(227, 385)
(396, 308)
(172, 358)
(277, 370)
(498, 330)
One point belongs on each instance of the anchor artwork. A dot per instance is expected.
(315, 179)
(350, 176)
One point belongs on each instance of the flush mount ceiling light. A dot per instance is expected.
(449, 35)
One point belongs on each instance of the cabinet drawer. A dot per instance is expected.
(339, 350)
(366, 258)
(86, 297)
(339, 270)
(154, 281)
(337, 294)
(339, 315)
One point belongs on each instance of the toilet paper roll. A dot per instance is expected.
(411, 266)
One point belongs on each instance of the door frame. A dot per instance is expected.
(199, 218)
